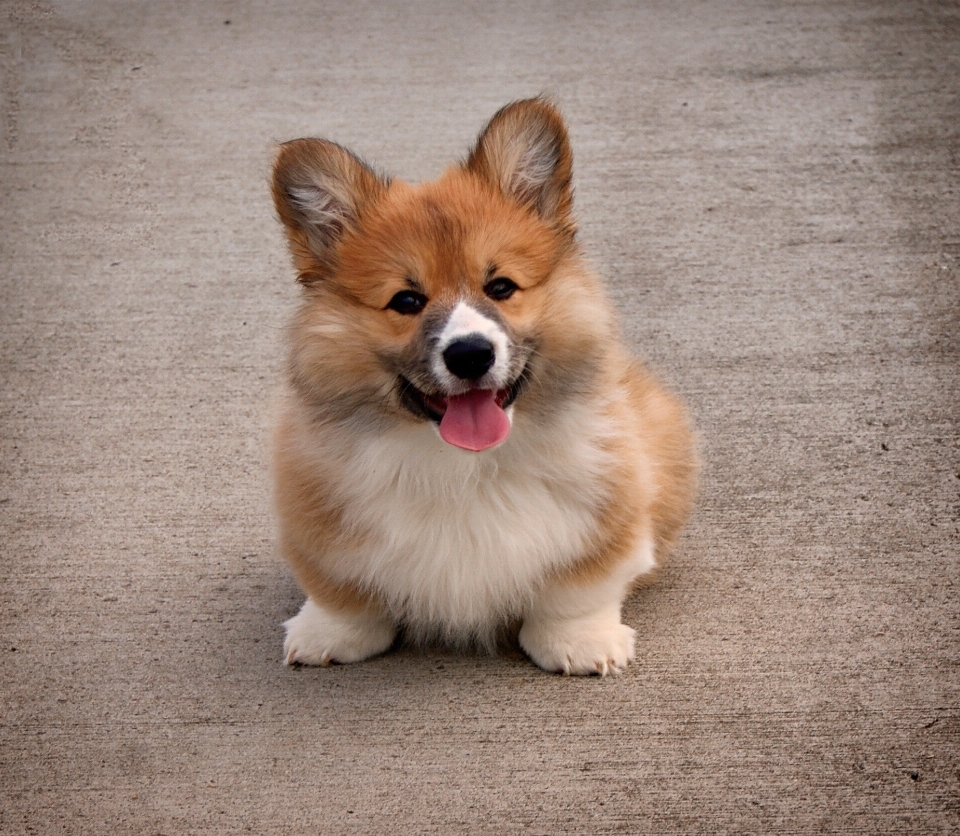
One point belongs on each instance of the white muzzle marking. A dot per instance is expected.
(465, 320)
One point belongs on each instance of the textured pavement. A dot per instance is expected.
(772, 191)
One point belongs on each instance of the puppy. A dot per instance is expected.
(465, 444)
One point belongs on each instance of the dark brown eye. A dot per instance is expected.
(500, 288)
(407, 302)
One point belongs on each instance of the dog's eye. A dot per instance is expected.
(500, 288)
(407, 302)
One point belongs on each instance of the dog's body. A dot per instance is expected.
(560, 472)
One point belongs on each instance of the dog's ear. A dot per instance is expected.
(320, 191)
(524, 150)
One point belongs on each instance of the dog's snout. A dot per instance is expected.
(469, 357)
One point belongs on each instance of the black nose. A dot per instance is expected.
(470, 357)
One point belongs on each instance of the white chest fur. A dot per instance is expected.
(455, 542)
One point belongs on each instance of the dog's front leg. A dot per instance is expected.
(573, 626)
(324, 635)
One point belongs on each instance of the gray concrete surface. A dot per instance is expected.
(772, 190)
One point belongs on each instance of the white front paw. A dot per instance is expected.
(316, 636)
(581, 646)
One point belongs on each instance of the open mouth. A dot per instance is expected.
(434, 406)
(475, 420)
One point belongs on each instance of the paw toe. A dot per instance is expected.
(581, 650)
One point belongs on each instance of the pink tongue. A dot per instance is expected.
(474, 421)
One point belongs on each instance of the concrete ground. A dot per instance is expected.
(772, 190)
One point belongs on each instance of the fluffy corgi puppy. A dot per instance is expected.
(465, 446)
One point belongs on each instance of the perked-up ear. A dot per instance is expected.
(524, 150)
(320, 190)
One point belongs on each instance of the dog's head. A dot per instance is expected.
(454, 301)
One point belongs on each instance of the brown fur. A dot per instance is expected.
(358, 238)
